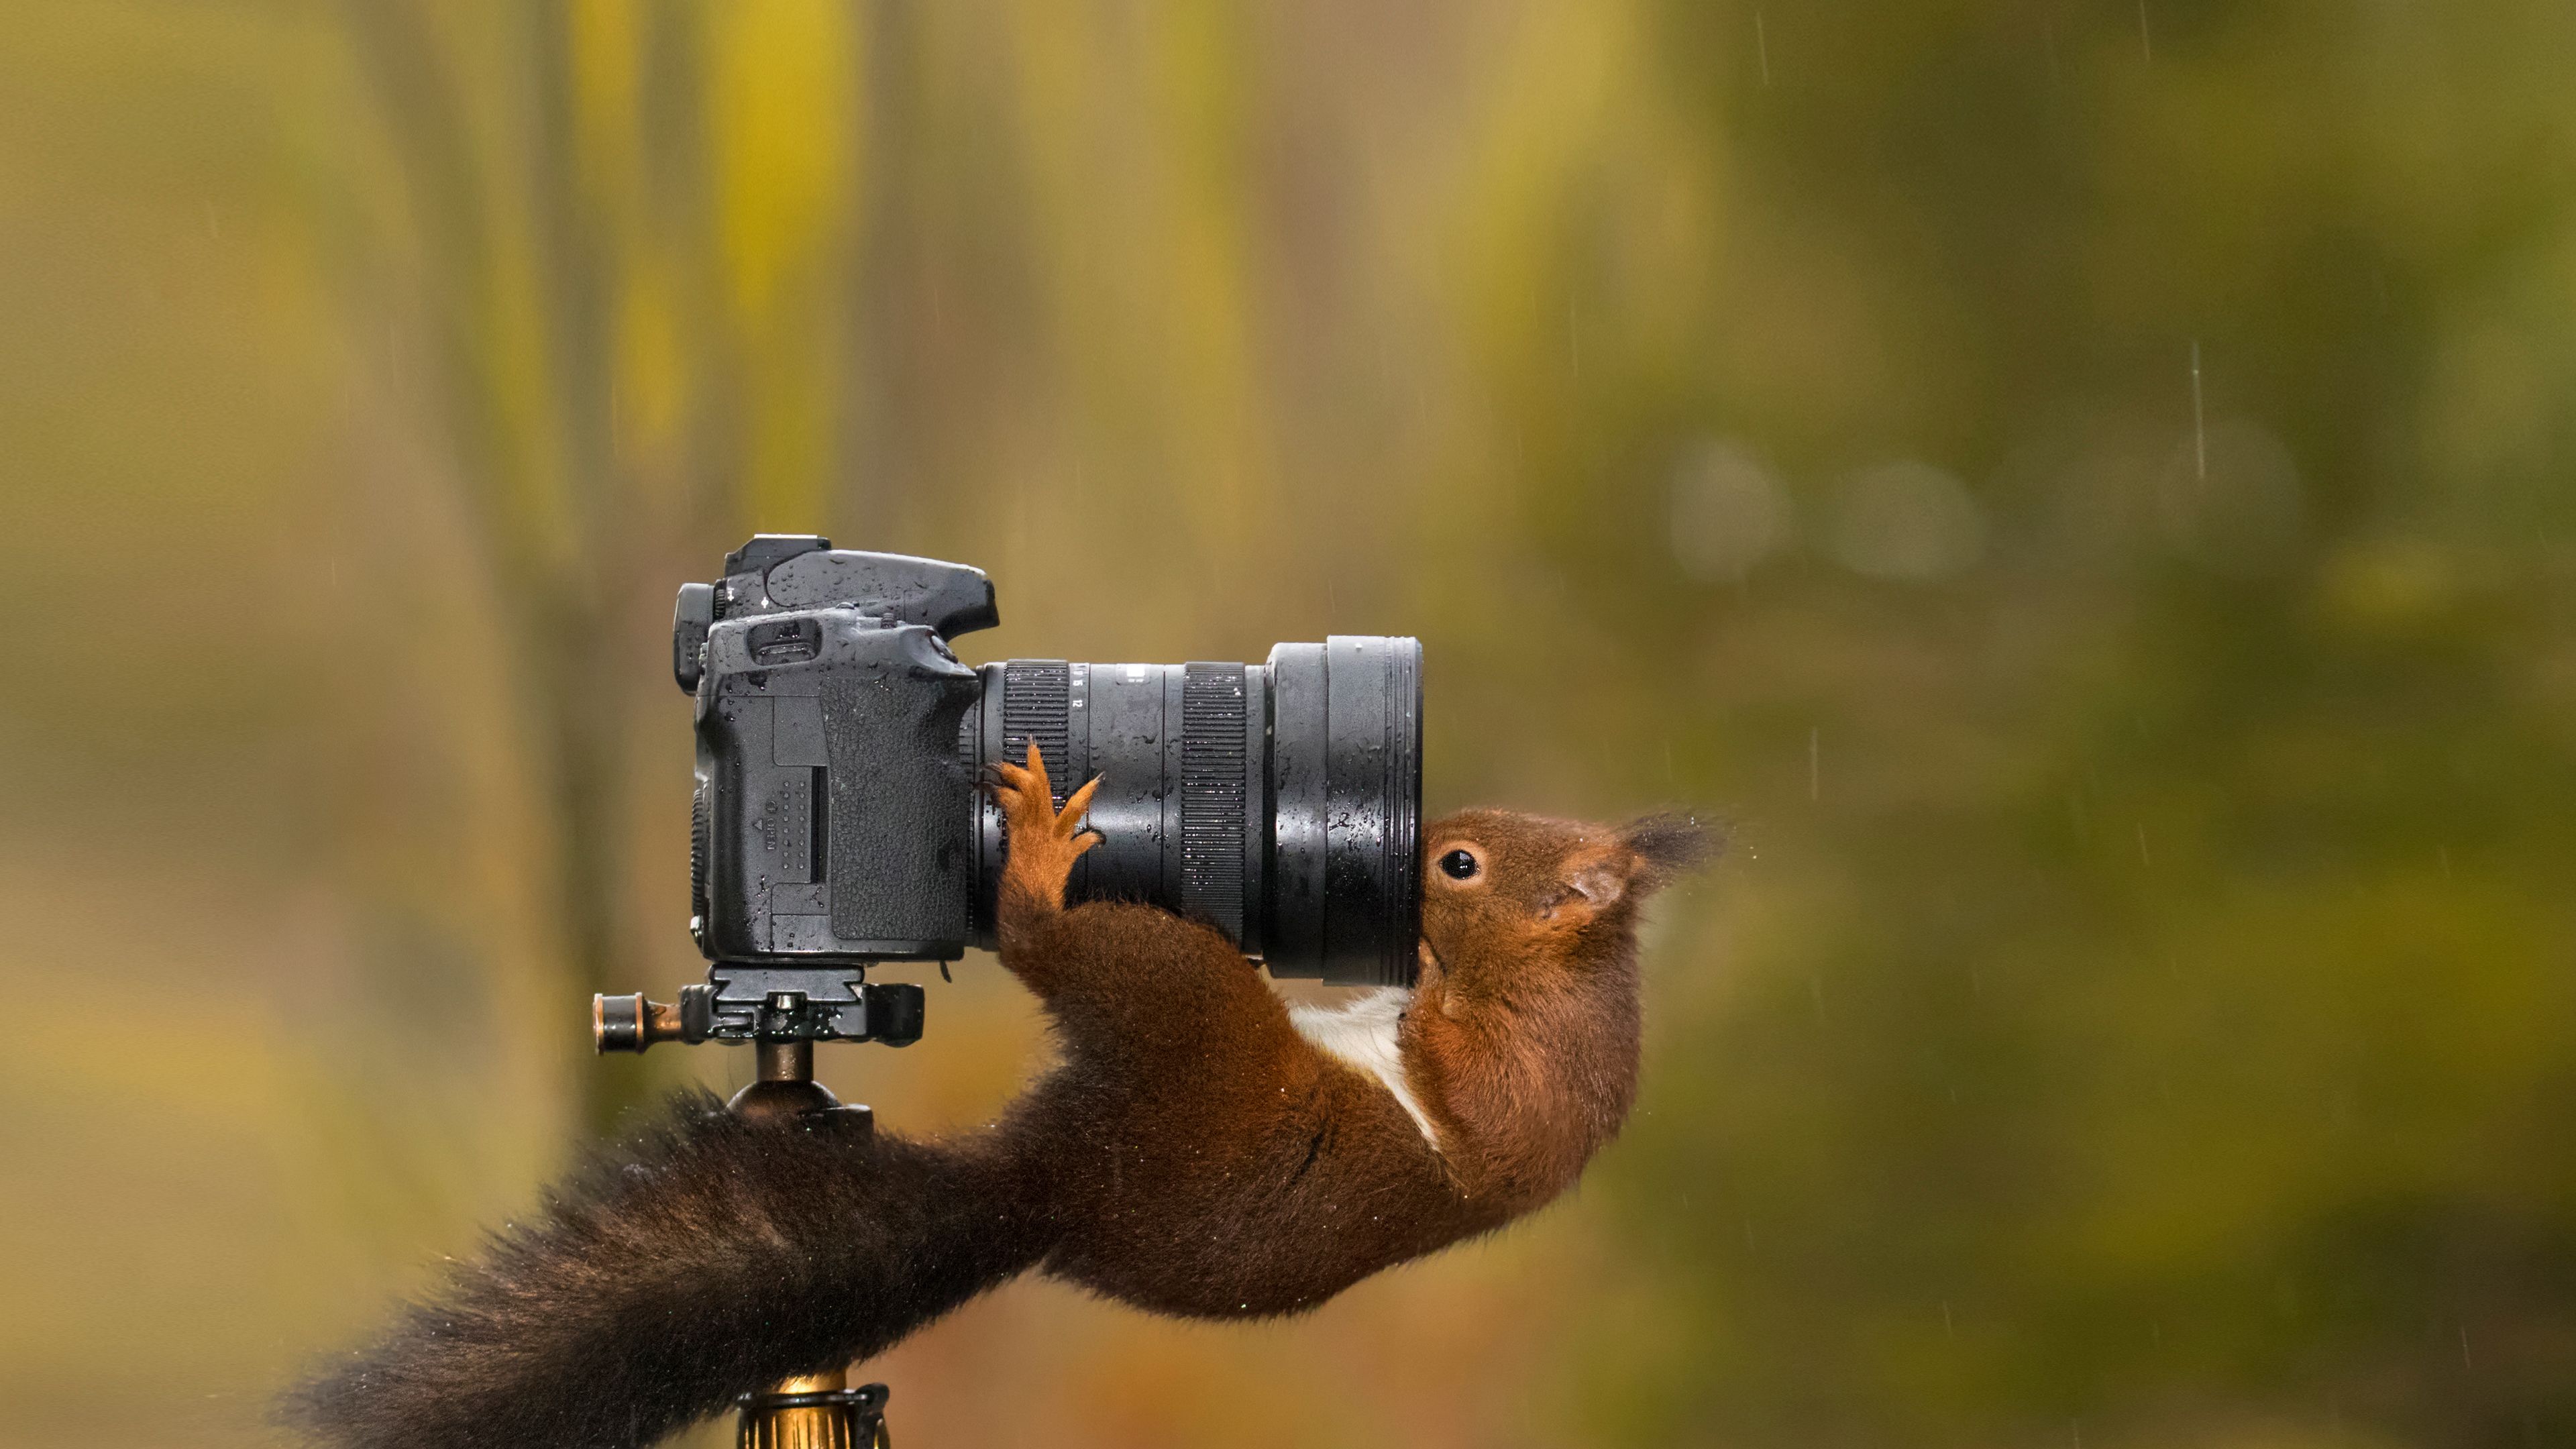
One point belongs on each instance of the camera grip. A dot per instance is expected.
(900, 851)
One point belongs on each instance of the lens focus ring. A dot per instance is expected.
(1212, 794)
(698, 850)
(1036, 699)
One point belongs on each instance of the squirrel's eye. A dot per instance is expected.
(1458, 865)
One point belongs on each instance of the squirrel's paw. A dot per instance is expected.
(1040, 842)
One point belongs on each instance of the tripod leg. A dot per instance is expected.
(816, 1411)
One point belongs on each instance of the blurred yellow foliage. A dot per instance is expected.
(2083, 488)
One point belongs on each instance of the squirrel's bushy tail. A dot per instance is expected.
(709, 1258)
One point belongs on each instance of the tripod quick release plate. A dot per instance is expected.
(764, 1003)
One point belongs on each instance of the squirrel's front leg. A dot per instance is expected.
(1040, 845)
(1112, 972)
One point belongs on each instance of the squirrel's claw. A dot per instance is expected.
(1075, 809)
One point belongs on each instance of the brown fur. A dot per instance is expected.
(1191, 1153)
(1205, 1158)
(710, 1255)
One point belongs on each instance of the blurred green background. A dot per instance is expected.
(2084, 486)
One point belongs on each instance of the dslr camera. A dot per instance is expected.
(838, 822)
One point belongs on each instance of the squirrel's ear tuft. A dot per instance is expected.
(1670, 842)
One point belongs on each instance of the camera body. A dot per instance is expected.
(833, 819)
(831, 823)
(837, 821)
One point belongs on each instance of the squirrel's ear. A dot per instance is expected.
(1668, 843)
(1597, 880)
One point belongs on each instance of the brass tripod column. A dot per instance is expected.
(813, 1411)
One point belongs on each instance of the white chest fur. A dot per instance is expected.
(1363, 1034)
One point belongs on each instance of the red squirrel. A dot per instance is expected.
(1200, 1149)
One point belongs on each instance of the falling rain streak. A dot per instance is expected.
(2199, 427)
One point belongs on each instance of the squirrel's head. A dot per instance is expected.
(1502, 891)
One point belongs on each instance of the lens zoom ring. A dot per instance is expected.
(1212, 795)
(1037, 696)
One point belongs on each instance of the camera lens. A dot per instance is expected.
(1279, 803)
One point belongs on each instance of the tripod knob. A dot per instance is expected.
(631, 1023)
